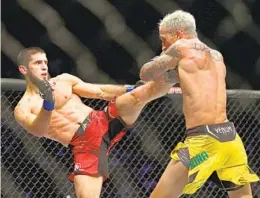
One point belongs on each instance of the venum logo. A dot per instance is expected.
(223, 130)
(175, 90)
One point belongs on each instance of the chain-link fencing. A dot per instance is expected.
(38, 167)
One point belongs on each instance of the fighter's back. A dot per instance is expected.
(202, 75)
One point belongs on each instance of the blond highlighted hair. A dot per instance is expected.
(179, 21)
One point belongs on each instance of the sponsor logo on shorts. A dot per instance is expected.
(175, 90)
(77, 167)
(84, 126)
(198, 159)
(224, 130)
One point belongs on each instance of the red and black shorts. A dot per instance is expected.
(93, 140)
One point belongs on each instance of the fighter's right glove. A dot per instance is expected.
(132, 87)
(46, 93)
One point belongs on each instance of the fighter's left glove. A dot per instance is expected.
(46, 94)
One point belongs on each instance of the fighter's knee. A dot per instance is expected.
(146, 93)
(136, 99)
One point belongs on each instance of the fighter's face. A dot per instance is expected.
(167, 38)
(38, 67)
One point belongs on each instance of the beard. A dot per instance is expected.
(34, 79)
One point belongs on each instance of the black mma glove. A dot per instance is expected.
(46, 93)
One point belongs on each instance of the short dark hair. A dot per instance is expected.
(24, 55)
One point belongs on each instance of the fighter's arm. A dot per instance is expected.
(36, 125)
(97, 91)
(167, 61)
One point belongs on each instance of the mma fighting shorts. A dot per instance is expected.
(91, 144)
(216, 153)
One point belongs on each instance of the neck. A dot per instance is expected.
(31, 88)
(190, 36)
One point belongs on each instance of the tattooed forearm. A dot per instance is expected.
(153, 69)
(168, 60)
(170, 76)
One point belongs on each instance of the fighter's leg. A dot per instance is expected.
(88, 186)
(237, 172)
(130, 105)
(172, 182)
(244, 192)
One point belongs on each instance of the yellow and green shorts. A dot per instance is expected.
(222, 160)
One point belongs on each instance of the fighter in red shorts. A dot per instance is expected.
(52, 108)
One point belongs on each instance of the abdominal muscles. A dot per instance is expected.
(65, 121)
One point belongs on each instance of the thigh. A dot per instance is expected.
(130, 105)
(90, 148)
(244, 192)
(172, 182)
(235, 171)
(87, 186)
(237, 153)
(201, 156)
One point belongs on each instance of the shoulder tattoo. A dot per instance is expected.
(174, 51)
(214, 54)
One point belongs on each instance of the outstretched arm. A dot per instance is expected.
(168, 60)
(97, 91)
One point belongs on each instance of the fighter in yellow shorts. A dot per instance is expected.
(212, 148)
(214, 152)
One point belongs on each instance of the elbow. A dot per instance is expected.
(145, 75)
(38, 132)
(32, 130)
(39, 135)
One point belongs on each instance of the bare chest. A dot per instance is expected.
(62, 94)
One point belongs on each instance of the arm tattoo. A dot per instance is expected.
(153, 69)
(170, 76)
(167, 61)
(175, 52)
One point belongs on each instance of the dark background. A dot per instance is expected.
(218, 25)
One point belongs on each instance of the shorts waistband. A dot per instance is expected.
(224, 127)
(82, 128)
(83, 125)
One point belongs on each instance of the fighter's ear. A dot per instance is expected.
(179, 34)
(22, 69)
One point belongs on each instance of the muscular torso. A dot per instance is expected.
(69, 112)
(202, 78)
